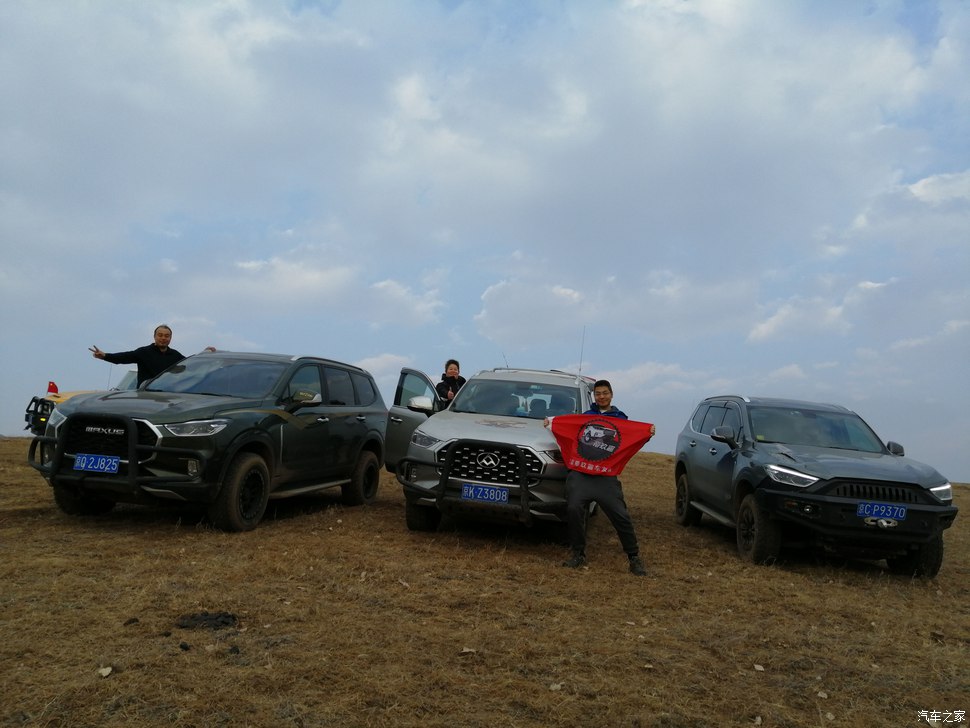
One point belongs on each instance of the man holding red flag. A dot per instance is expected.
(596, 445)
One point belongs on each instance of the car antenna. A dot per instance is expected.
(582, 347)
(506, 360)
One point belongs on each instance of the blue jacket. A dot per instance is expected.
(611, 412)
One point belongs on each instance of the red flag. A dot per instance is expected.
(599, 445)
(51, 388)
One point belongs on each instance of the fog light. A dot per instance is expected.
(192, 467)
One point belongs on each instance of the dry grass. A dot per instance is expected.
(347, 619)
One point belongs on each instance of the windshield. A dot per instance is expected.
(221, 377)
(793, 426)
(516, 399)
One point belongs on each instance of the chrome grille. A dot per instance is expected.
(475, 462)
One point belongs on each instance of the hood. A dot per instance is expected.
(448, 425)
(828, 463)
(155, 406)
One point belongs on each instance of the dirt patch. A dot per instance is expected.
(342, 617)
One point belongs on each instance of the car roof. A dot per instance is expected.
(282, 358)
(538, 376)
(782, 402)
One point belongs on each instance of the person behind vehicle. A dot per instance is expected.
(451, 381)
(584, 487)
(152, 360)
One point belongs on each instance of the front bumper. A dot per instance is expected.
(531, 495)
(147, 471)
(834, 519)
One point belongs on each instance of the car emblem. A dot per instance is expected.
(881, 522)
(488, 460)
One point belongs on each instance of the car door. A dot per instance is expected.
(712, 462)
(348, 427)
(305, 453)
(402, 422)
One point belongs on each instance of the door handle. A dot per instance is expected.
(713, 451)
(323, 419)
(397, 420)
(361, 418)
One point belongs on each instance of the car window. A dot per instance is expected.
(516, 399)
(713, 418)
(220, 377)
(411, 385)
(366, 394)
(697, 421)
(340, 389)
(732, 419)
(304, 384)
(797, 426)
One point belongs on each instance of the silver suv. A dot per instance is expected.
(487, 454)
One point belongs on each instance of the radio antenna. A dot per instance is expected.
(582, 348)
(506, 360)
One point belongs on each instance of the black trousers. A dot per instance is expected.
(606, 491)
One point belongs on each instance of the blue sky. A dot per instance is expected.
(688, 198)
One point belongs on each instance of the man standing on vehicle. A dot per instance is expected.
(595, 454)
(152, 360)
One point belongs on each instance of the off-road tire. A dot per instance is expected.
(77, 504)
(684, 512)
(242, 499)
(759, 537)
(421, 518)
(924, 561)
(364, 481)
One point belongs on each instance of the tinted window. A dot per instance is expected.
(340, 390)
(697, 421)
(412, 385)
(797, 426)
(366, 394)
(222, 377)
(713, 418)
(732, 418)
(306, 383)
(519, 399)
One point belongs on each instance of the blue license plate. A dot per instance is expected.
(96, 463)
(881, 510)
(484, 493)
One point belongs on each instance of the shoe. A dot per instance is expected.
(636, 566)
(575, 561)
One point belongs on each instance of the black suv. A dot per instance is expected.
(774, 468)
(227, 430)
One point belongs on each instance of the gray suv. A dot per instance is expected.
(226, 430)
(778, 468)
(487, 454)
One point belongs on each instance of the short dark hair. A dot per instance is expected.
(450, 362)
(162, 326)
(603, 383)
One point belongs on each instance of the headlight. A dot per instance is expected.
(198, 428)
(422, 440)
(789, 477)
(55, 418)
(943, 492)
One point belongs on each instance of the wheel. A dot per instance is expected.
(421, 518)
(925, 560)
(80, 504)
(684, 512)
(759, 538)
(241, 501)
(364, 481)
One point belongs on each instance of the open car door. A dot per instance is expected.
(401, 421)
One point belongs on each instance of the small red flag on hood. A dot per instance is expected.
(51, 388)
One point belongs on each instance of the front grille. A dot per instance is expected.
(104, 436)
(881, 492)
(475, 462)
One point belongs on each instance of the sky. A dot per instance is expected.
(686, 197)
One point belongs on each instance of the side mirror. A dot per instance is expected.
(421, 404)
(303, 398)
(895, 448)
(725, 434)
